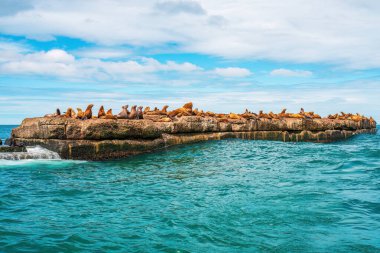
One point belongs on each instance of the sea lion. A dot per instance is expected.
(283, 114)
(296, 116)
(109, 115)
(124, 112)
(166, 119)
(88, 112)
(80, 113)
(101, 112)
(200, 113)
(140, 114)
(272, 115)
(263, 115)
(133, 113)
(164, 109)
(332, 116)
(157, 111)
(185, 110)
(248, 115)
(147, 109)
(210, 114)
(69, 113)
(57, 113)
(233, 116)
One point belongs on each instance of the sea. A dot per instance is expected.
(216, 196)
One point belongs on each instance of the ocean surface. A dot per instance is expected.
(216, 196)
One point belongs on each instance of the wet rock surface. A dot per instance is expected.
(100, 139)
(12, 149)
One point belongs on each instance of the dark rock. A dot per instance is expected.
(12, 149)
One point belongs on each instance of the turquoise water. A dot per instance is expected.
(5, 131)
(217, 196)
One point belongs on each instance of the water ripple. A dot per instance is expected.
(217, 196)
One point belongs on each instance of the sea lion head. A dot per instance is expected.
(188, 106)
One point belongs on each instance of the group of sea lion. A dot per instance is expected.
(164, 115)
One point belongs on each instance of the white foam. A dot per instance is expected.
(33, 153)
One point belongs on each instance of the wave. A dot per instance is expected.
(34, 153)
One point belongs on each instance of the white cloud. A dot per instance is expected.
(59, 63)
(232, 72)
(339, 32)
(180, 6)
(291, 73)
(102, 53)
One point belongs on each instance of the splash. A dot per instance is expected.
(35, 153)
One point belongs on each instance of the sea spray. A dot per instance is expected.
(36, 152)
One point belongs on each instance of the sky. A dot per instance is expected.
(223, 55)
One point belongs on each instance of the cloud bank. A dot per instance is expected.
(340, 32)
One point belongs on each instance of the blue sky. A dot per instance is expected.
(222, 55)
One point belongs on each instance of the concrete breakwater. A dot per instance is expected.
(101, 139)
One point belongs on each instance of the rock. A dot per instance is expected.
(12, 149)
(8, 142)
(100, 139)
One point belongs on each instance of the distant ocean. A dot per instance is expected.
(5, 131)
(216, 196)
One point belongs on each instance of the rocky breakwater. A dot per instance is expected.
(100, 139)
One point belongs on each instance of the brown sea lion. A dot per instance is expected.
(263, 115)
(69, 113)
(165, 119)
(57, 113)
(101, 112)
(335, 116)
(133, 113)
(147, 109)
(80, 113)
(88, 112)
(200, 113)
(210, 114)
(164, 109)
(273, 115)
(140, 113)
(248, 115)
(185, 110)
(283, 114)
(233, 116)
(156, 111)
(124, 112)
(296, 116)
(109, 115)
